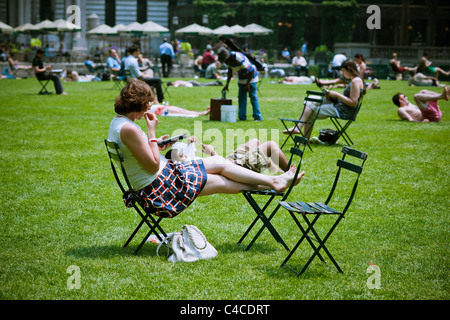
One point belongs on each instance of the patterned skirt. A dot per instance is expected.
(175, 188)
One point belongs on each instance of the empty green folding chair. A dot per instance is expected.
(316, 210)
(296, 154)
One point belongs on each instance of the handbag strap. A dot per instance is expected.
(166, 241)
(188, 228)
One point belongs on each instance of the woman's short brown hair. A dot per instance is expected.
(134, 97)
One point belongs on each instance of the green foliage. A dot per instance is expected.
(270, 13)
(217, 11)
(60, 205)
(338, 17)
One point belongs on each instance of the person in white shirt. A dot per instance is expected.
(132, 66)
(300, 64)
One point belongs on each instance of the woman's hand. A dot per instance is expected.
(330, 95)
(152, 122)
(166, 146)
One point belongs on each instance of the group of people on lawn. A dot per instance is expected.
(188, 178)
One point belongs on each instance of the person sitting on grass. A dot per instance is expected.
(427, 109)
(252, 155)
(169, 187)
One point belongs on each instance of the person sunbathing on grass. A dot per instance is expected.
(166, 110)
(252, 155)
(427, 109)
(168, 187)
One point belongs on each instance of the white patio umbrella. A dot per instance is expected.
(194, 29)
(238, 30)
(133, 28)
(257, 30)
(27, 28)
(103, 29)
(151, 28)
(119, 27)
(46, 25)
(223, 31)
(4, 28)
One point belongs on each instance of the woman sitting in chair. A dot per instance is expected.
(171, 187)
(338, 105)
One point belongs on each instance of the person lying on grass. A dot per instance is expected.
(427, 109)
(174, 111)
(252, 155)
(171, 187)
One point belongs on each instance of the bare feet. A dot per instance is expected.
(292, 131)
(283, 181)
(207, 111)
(446, 93)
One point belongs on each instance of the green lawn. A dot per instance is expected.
(60, 205)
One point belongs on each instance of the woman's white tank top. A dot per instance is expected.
(138, 176)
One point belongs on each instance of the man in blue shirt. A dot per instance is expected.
(166, 55)
(131, 66)
(247, 80)
(113, 61)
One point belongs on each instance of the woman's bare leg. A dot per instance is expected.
(296, 130)
(220, 184)
(220, 166)
(439, 70)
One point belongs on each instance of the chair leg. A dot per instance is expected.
(151, 223)
(342, 131)
(317, 238)
(44, 87)
(291, 136)
(266, 222)
(152, 230)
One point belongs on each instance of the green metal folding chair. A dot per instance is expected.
(311, 96)
(343, 124)
(322, 209)
(296, 153)
(43, 84)
(116, 159)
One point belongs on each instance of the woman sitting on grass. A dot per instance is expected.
(171, 187)
(338, 105)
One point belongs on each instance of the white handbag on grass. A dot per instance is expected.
(188, 245)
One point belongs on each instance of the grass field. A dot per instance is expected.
(60, 205)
